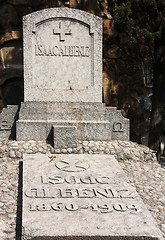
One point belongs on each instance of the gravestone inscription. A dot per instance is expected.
(63, 56)
(81, 197)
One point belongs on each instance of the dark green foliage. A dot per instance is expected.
(136, 18)
(143, 22)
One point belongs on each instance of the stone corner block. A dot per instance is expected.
(65, 136)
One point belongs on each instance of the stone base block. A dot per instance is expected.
(32, 130)
(94, 121)
(65, 136)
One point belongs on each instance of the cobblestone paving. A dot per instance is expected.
(138, 162)
(149, 180)
(8, 197)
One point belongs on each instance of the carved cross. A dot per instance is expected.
(62, 31)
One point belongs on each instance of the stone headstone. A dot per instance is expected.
(82, 197)
(63, 56)
(63, 81)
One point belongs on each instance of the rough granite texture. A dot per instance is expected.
(75, 195)
(53, 38)
(139, 163)
(94, 121)
(65, 136)
(8, 118)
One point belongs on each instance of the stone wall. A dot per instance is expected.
(123, 79)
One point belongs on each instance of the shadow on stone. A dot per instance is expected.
(49, 138)
(13, 128)
(19, 204)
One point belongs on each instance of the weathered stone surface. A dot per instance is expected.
(8, 118)
(120, 125)
(65, 136)
(53, 38)
(93, 121)
(81, 196)
(122, 150)
(33, 130)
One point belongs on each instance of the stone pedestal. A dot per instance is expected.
(92, 121)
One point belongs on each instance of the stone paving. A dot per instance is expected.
(138, 162)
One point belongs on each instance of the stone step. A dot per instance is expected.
(63, 104)
(79, 116)
(41, 129)
(62, 111)
(60, 107)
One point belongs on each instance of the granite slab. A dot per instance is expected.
(81, 196)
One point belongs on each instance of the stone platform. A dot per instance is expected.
(90, 121)
(81, 197)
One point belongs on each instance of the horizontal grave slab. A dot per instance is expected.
(81, 197)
